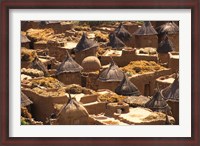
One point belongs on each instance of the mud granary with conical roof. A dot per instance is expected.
(85, 48)
(146, 36)
(69, 71)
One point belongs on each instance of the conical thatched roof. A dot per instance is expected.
(37, 64)
(112, 73)
(115, 42)
(24, 39)
(165, 45)
(71, 112)
(157, 103)
(127, 88)
(172, 91)
(168, 28)
(25, 101)
(122, 33)
(68, 65)
(146, 29)
(85, 44)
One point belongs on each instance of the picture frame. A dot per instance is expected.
(103, 4)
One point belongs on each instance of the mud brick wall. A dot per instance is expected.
(42, 106)
(25, 45)
(58, 52)
(174, 64)
(37, 45)
(147, 57)
(70, 78)
(131, 27)
(108, 85)
(91, 81)
(163, 58)
(95, 107)
(175, 110)
(112, 108)
(146, 41)
(175, 40)
(65, 27)
(25, 64)
(130, 42)
(83, 54)
(55, 26)
(146, 83)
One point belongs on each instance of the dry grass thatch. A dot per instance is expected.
(141, 67)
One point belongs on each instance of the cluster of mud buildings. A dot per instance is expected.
(99, 73)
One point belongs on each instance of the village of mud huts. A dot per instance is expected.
(99, 72)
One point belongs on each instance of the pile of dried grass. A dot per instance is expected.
(40, 34)
(141, 67)
(27, 54)
(47, 82)
(111, 97)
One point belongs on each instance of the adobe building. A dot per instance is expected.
(115, 42)
(127, 88)
(174, 61)
(85, 48)
(171, 95)
(163, 50)
(71, 113)
(124, 35)
(172, 30)
(131, 27)
(146, 36)
(110, 77)
(68, 71)
(91, 67)
(157, 103)
(37, 64)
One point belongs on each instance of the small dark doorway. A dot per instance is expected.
(147, 89)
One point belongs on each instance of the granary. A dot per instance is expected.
(158, 103)
(127, 88)
(146, 36)
(72, 113)
(115, 42)
(131, 27)
(172, 30)
(91, 67)
(124, 35)
(163, 50)
(91, 64)
(110, 77)
(25, 42)
(37, 64)
(85, 48)
(171, 94)
(68, 71)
